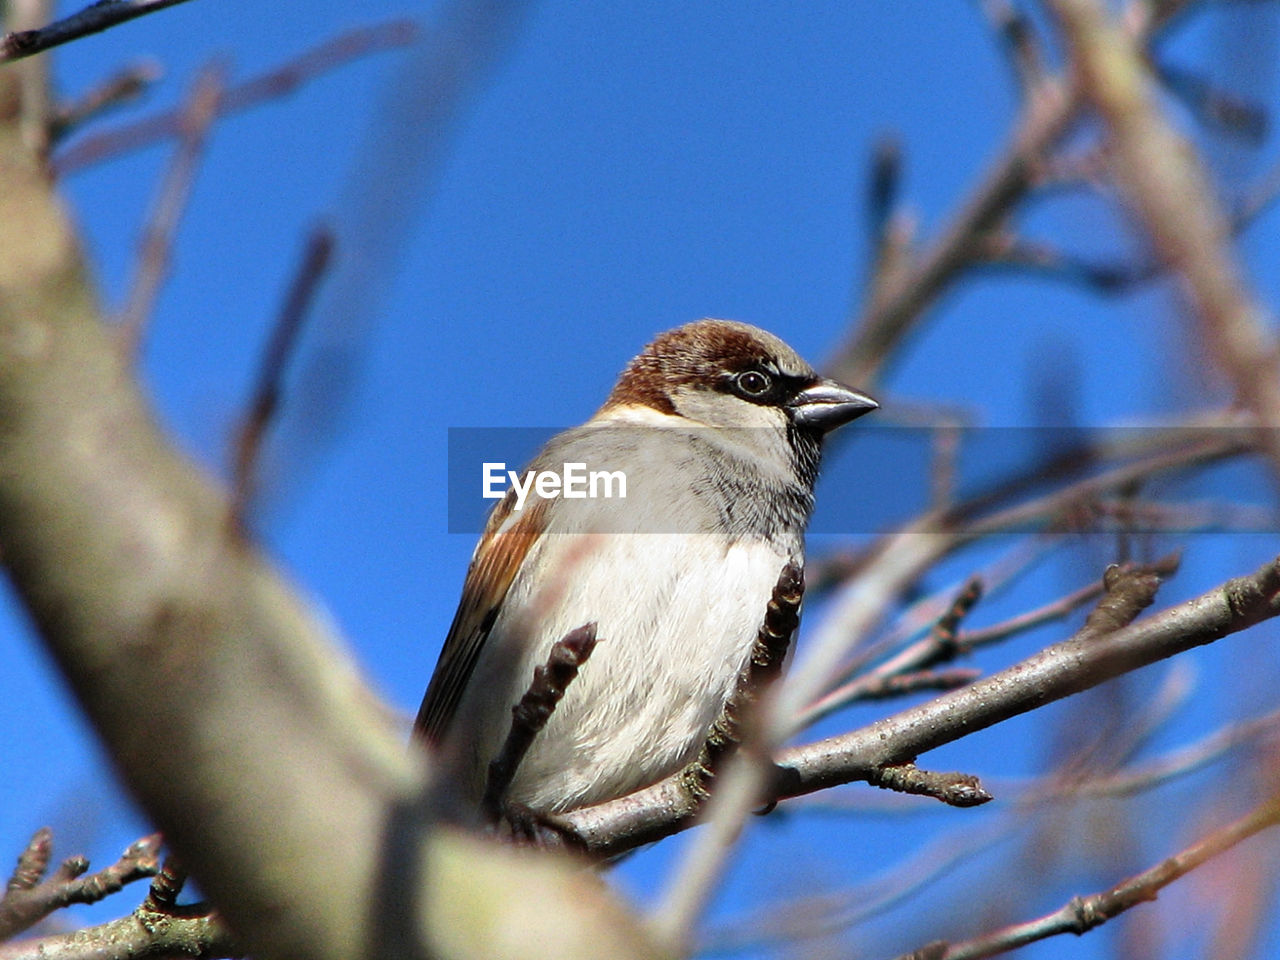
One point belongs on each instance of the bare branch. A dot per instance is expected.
(118, 89)
(99, 16)
(194, 660)
(1163, 176)
(1058, 671)
(139, 936)
(28, 901)
(1082, 914)
(891, 316)
(272, 85)
(884, 679)
(530, 715)
(265, 400)
(1023, 47)
(782, 616)
(156, 248)
(1068, 667)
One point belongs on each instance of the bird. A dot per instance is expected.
(717, 427)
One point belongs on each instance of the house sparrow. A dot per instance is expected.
(717, 427)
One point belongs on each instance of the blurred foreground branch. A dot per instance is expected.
(203, 671)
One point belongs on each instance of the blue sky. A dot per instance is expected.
(627, 167)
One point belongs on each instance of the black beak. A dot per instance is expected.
(827, 405)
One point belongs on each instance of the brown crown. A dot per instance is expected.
(698, 353)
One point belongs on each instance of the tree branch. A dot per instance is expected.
(94, 18)
(530, 715)
(244, 733)
(271, 85)
(1082, 914)
(29, 899)
(1163, 176)
(265, 400)
(1075, 664)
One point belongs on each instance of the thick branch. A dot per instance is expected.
(136, 937)
(1076, 664)
(248, 739)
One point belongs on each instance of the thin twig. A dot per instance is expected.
(901, 684)
(942, 639)
(1050, 612)
(94, 18)
(1023, 48)
(265, 400)
(891, 229)
(1137, 778)
(29, 898)
(1219, 110)
(272, 85)
(874, 683)
(921, 616)
(900, 558)
(813, 917)
(530, 715)
(782, 616)
(156, 248)
(1082, 914)
(953, 789)
(1005, 252)
(1047, 117)
(1030, 792)
(912, 290)
(118, 89)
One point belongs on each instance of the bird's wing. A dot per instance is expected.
(506, 541)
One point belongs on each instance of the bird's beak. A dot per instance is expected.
(827, 405)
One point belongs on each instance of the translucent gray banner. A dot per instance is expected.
(876, 479)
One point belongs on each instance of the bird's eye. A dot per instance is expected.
(753, 383)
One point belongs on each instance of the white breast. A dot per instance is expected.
(678, 615)
(678, 600)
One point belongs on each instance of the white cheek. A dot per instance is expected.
(725, 410)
